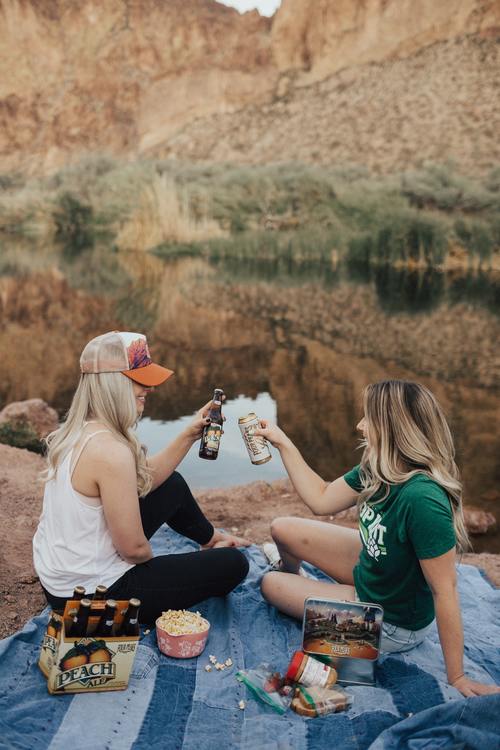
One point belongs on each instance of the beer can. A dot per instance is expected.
(257, 447)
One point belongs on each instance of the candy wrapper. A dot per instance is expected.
(267, 686)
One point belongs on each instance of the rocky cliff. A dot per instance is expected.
(320, 37)
(128, 77)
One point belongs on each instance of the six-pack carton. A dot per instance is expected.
(88, 663)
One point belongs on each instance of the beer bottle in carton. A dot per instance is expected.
(78, 593)
(130, 623)
(78, 627)
(105, 625)
(210, 439)
(100, 593)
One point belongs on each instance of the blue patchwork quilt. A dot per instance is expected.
(173, 704)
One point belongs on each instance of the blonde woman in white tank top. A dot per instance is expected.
(104, 498)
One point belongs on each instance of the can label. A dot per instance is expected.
(257, 446)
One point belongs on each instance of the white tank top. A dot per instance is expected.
(72, 545)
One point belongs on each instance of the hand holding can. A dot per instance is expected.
(256, 445)
(271, 432)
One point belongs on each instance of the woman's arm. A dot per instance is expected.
(114, 472)
(440, 574)
(167, 460)
(320, 496)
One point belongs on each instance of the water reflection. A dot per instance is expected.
(311, 336)
(410, 291)
(282, 271)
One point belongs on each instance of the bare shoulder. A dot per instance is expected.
(106, 450)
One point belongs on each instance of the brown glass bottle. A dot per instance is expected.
(100, 593)
(130, 623)
(105, 625)
(210, 439)
(78, 628)
(78, 593)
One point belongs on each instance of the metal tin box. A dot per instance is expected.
(345, 635)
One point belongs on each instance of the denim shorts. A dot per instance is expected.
(395, 639)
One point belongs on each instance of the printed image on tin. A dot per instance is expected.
(342, 629)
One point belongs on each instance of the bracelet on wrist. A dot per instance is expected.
(452, 682)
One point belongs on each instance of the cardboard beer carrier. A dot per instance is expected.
(86, 664)
(345, 635)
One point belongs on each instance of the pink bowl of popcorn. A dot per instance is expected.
(181, 633)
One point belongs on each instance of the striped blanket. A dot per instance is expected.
(173, 704)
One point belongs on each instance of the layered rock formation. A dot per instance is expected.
(128, 77)
(320, 37)
(121, 76)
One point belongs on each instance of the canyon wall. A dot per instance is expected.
(127, 77)
(320, 37)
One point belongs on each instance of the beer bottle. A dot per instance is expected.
(130, 623)
(78, 593)
(100, 593)
(105, 624)
(210, 439)
(78, 628)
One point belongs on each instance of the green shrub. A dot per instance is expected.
(477, 237)
(74, 222)
(20, 435)
(361, 249)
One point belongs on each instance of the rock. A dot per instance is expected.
(478, 521)
(489, 563)
(193, 61)
(33, 412)
(491, 496)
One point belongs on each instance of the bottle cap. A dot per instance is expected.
(294, 665)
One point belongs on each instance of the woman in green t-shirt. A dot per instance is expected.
(409, 496)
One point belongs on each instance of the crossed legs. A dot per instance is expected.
(334, 549)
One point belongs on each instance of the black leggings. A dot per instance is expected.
(176, 581)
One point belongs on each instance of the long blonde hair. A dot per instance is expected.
(107, 397)
(407, 435)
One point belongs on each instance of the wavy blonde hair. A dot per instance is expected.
(109, 398)
(407, 435)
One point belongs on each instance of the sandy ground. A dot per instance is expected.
(247, 510)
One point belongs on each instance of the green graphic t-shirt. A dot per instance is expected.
(413, 523)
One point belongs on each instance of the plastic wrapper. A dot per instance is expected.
(267, 686)
(319, 701)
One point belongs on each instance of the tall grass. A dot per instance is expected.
(277, 211)
(164, 216)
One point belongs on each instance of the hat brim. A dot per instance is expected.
(149, 375)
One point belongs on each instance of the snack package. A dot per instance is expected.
(319, 701)
(267, 686)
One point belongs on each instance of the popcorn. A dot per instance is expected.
(182, 621)
(212, 659)
(242, 705)
(208, 668)
(229, 662)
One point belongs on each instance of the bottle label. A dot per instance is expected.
(314, 673)
(212, 436)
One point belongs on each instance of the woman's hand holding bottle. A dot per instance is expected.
(200, 420)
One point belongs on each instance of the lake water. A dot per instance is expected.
(292, 343)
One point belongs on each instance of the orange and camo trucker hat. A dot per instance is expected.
(126, 352)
